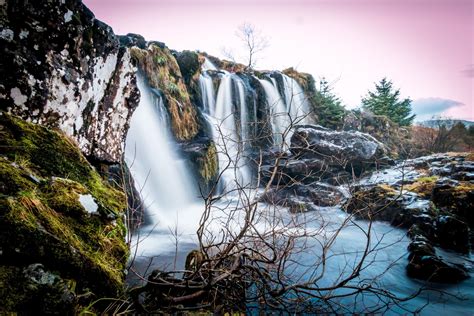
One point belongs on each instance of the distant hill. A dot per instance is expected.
(446, 122)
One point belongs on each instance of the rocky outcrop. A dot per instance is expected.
(162, 71)
(202, 155)
(62, 228)
(63, 68)
(395, 138)
(345, 148)
(435, 208)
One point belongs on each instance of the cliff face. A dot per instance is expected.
(63, 68)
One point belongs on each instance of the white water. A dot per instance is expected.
(229, 136)
(159, 173)
(288, 110)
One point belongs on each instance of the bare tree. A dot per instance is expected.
(253, 43)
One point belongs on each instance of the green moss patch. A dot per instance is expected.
(42, 176)
(423, 186)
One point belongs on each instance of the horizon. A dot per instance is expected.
(424, 47)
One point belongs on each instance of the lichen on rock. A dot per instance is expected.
(63, 68)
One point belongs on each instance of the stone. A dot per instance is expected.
(67, 70)
(346, 149)
(452, 233)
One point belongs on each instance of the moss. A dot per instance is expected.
(305, 80)
(423, 186)
(44, 220)
(12, 178)
(8, 288)
(385, 189)
(163, 73)
(209, 164)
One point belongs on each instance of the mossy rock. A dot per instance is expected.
(423, 186)
(455, 198)
(42, 220)
(163, 73)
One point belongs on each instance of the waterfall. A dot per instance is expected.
(229, 133)
(287, 108)
(296, 101)
(160, 174)
(280, 119)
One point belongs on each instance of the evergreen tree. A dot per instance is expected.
(328, 106)
(385, 100)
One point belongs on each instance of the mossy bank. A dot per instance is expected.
(62, 231)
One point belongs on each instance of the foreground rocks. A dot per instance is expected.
(436, 208)
(62, 229)
(318, 161)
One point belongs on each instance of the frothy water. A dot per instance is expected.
(229, 131)
(286, 110)
(160, 174)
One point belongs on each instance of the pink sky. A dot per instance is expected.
(425, 47)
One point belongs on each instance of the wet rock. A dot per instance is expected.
(425, 265)
(377, 203)
(300, 197)
(202, 155)
(455, 198)
(353, 150)
(452, 234)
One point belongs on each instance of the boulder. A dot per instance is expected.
(63, 68)
(346, 149)
(45, 220)
(300, 197)
(452, 233)
(424, 264)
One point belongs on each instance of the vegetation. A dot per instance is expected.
(328, 106)
(253, 44)
(163, 73)
(58, 254)
(385, 100)
(428, 140)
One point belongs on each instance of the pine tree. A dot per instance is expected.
(385, 100)
(328, 106)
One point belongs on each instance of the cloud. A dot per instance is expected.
(426, 108)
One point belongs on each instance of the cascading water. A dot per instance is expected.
(229, 136)
(286, 111)
(160, 175)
